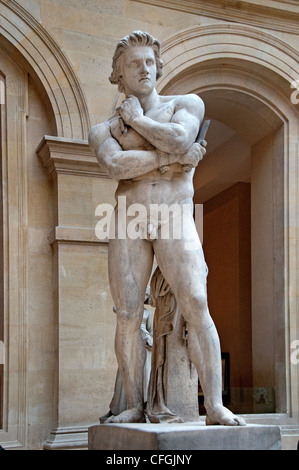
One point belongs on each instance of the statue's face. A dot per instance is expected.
(138, 70)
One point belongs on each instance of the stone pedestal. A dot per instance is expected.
(183, 437)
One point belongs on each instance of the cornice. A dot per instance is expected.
(68, 156)
(61, 156)
(271, 16)
(75, 235)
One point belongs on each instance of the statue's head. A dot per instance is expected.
(137, 38)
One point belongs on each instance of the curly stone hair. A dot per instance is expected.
(136, 38)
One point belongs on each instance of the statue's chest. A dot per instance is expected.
(128, 138)
(162, 113)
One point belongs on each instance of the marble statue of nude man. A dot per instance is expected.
(148, 147)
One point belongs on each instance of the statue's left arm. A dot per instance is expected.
(174, 137)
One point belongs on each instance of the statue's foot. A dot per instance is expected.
(221, 415)
(132, 415)
(105, 417)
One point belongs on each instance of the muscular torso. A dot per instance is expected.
(174, 186)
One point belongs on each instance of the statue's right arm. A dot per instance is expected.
(120, 164)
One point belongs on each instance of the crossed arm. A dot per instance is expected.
(120, 164)
(173, 138)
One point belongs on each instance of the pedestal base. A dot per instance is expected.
(183, 437)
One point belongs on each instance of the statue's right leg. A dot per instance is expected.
(130, 265)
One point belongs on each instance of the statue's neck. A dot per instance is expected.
(149, 101)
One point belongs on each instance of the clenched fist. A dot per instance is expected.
(188, 160)
(191, 158)
(130, 109)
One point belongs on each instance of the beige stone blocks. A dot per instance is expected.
(86, 326)
(59, 324)
(85, 360)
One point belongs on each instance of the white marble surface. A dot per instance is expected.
(132, 436)
(149, 146)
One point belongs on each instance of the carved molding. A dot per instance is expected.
(201, 44)
(274, 15)
(70, 157)
(15, 190)
(52, 67)
(86, 235)
(59, 155)
(62, 438)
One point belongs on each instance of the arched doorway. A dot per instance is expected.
(25, 117)
(241, 186)
(243, 182)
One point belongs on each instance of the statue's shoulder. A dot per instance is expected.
(191, 102)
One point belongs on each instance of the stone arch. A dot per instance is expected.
(230, 57)
(49, 63)
(253, 70)
(193, 46)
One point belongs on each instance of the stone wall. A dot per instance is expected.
(58, 322)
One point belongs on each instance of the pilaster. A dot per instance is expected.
(85, 321)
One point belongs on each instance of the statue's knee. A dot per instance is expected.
(196, 310)
(198, 301)
(128, 316)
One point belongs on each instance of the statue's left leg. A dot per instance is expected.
(183, 266)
